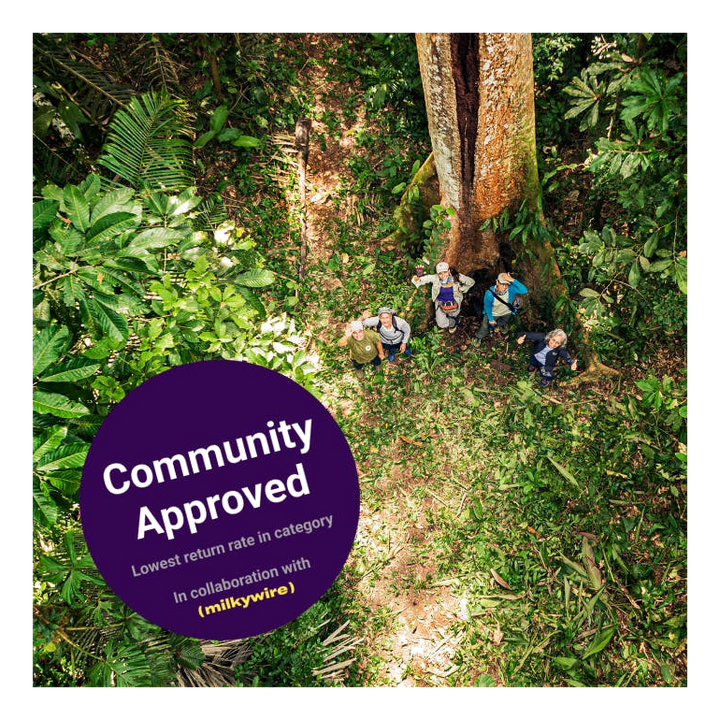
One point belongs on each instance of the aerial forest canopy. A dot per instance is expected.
(248, 196)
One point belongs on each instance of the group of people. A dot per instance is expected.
(373, 338)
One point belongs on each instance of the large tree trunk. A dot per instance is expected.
(481, 117)
(480, 102)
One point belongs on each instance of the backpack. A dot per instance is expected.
(378, 327)
(514, 306)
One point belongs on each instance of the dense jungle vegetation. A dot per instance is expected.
(530, 538)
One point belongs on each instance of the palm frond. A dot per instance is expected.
(149, 144)
(154, 63)
(218, 669)
(80, 82)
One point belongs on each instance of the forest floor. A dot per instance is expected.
(418, 642)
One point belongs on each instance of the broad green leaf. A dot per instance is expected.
(72, 291)
(70, 455)
(625, 256)
(247, 141)
(218, 118)
(634, 275)
(90, 187)
(110, 322)
(601, 639)
(77, 207)
(589, 293)
(111, 225)
(119, 279)
(566, 663)
(45, 511)
(157, 237)
(183, 203)
(71, 587)
(593, 573)
(48, 346)
(119, 200)
(660, 265)
(579, 569)
(41, 122)
(43, 212)
(71, 241)
(204, 139)
(255, 278)
(95, 279)
(681, 275)
(66, 481)
(71, 371)
(485, 680)
(228, 134)
(43, 444)
(58, 405)
(128, 264)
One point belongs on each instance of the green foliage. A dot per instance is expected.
(125, 285)
(643, 161)
(574, 499)
(149, 144)
(225, 134)
(313, 650)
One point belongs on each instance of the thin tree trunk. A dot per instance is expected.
(302, 144)
(211, 57)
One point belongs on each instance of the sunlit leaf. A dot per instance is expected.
(600, 641)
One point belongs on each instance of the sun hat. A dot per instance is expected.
(442, 267)
(388, 310)
(356, 325)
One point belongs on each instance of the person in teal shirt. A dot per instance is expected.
(498, 308)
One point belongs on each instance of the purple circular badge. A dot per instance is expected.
(219, 500)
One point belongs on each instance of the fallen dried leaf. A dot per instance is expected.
(587, 535)
(408, 440)
(499, 580)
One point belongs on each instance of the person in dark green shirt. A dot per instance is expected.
(365, 346)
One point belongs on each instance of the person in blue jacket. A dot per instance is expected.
(498, 308)
(545, 351)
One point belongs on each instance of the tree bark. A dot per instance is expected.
(481, 117)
